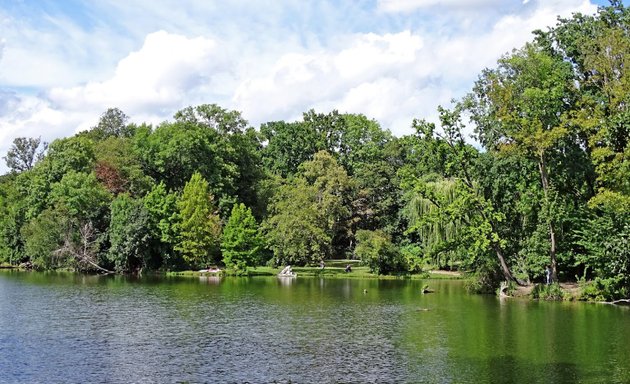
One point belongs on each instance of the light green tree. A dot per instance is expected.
(199, 226)
(241, 243)
(310, 212)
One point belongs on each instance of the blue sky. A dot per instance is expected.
(62, 63)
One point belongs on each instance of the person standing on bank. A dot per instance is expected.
(548, 274)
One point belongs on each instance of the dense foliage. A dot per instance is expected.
(548, 186)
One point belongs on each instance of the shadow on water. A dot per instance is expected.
(510, 369)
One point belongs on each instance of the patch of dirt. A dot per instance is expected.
(573, 290)
(446, 273)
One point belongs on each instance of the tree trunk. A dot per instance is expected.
(544, 177)
(504, 267)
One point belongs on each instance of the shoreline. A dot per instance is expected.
(570, 291)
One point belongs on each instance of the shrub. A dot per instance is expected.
(376, 250)
(549, 292)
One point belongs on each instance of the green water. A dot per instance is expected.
(75, 329)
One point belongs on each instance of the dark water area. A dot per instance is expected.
(66, 328)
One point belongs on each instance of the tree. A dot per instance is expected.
(598, 48)
(113, 123)
(371, 156)
(43, 236)
(81, 244)
(75, 154)
(290, 144)
(287, 146)
(162, 224)
(459, 202)
(129, 235)
(376, 250)
(199, 227)
(241, 243)
(213, 117)
(519, 107)
(210, 140)
(12, 218)
(175, 151)
(81, 195)
(69, 154)
(295, 229)
(119, 167)
(24, 153)
(333, 189)
(309, 215)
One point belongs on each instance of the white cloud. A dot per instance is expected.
(410, 5)
(149, 84)
(391, 77)
(56, 52)
(393, 72)
(323, 79)
(31, 116)
(160, 76)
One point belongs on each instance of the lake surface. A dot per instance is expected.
(77, 329)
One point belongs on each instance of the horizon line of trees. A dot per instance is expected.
(550, 186)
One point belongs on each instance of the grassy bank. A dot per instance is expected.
(332, 269)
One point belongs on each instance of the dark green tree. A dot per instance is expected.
(287, 146)
(129, 235)
(24, 153)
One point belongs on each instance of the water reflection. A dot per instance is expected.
(286, 281)
(214, 280)
(119, 330)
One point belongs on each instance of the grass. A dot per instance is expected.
(332, 269)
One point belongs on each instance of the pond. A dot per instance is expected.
(76, 329)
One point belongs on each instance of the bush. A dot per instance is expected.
(413, 258)
(485, 281)
(376, 250)
(605, 289)
(551, 292)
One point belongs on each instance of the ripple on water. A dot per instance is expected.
(118, 330)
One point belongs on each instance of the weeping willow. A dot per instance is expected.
(433, 217)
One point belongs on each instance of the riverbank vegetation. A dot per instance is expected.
(547, 184)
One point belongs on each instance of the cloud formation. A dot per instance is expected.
(410, 5)
(394, 62)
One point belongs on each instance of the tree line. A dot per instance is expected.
(548, 183)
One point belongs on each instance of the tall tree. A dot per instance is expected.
(43, 236)
(309, 215)
(287, 146)
(199, 227)
(129, 235)
(519, 107)
(459, 202)
(113, 123)
(295, 230)
(162, 224)
(24, 152)
(241, 243)
(12, 218)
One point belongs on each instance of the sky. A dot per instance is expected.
(64, 62)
